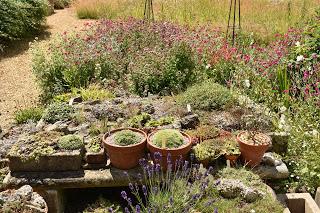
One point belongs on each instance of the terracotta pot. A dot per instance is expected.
(224, 134)
(252, 154)
(125, 157)
(232, 158)
(175, 152)
(205, 163)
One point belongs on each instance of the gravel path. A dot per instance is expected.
(18, 88)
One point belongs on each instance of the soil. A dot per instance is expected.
(18, 85)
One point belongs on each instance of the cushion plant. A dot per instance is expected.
(168, 138)
(70, 142)
(126, 137)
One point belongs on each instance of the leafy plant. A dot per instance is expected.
(207, 96)
(231, 147)
(57, 112)
(70, 142)
(94, 144)
(160, 122)
(20, 18)
(99, 127)
(204, 132)
(139, 121)
(30, 114)
(168, 138)
(205, 151)
(127, 137)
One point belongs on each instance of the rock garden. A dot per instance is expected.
(152, 116)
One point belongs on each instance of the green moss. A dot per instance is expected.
(207, 96)
(94, 144)
(70, 142)
(168, 138)
(160, 122)
(139, 121)
(30, 114)
(205, 151)
(57, 112)
(127, 137)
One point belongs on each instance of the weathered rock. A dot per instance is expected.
(271, 159)
(117, 101)
(190, 121)
(231, 188)
(60, 126)
(107, 111)
(82, 129)
(40, 125)
(149, 108)
(29, 201)
(75, 100)
(25, 192)
(272, 172)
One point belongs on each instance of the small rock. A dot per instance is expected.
(81, 129)
(74, 100)
(25, 192)
(251, 195)
(37, 200)
(60, 126)
(117, 101)
(40, 125)
(190, 121)
(149, 108)
(270, 159)
(272, 172)
(111, 112)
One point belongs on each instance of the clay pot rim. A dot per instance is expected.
(252, 145)
(107, 135)
(189, 142)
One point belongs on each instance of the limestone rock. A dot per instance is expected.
(107, 111)
(271, 159)
(74, 100)
(25, 192)
(190, 121)
(149, 108)
(60, 126)
(231, 188)
(272, 172)
(40, 125)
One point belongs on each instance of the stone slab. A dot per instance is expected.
(111, 177)
(299, 202)
(272, 172)
(62, 161)
(317, 198)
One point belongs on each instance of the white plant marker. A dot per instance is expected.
(188, 107)
(228, 163)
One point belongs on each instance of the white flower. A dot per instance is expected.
(252, 211)
(283, 109)
(300, 58)
(298, 44)
(247, 83)
(315, 132)
(208, 66)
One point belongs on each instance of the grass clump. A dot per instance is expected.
(207, 96)
(70, 142)
(30, 114)
(126, 138)
(57, 112)
(168, 138)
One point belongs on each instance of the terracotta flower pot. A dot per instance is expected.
(232, 158)
(205, 163)
(175, 152)
(124, 157)
(252, 154)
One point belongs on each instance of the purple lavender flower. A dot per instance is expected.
(131, 187)
(171, 200)
(126, 173)
(169, 158)
(155, 190)
(215, 210)
(157, 168)
(126, 210)
(138, 210)
(192, 157)
(144, 190)
(124, 195)
(110, 209)
(157, 156)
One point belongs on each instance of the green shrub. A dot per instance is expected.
(70, 142)
(139, 121)
(61, 4)
(168, 138)
(57, 112)
(19, 18)
(207, 96)
(164, 73)
(160, 122)
(126, 137)
(30, 114)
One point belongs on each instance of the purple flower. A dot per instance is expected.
(144, 190)
(171, 200)
(191, 157)
(129, 201)
(124, 195)
(215, 210)
(155, 190)
(158, 167)
(131, 187)
(169, 158)
(138, 210)
(126, 210)
(157, 156)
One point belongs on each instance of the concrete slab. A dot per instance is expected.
(299, 202)
(317, 198)
(111, 177)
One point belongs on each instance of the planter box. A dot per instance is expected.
(62, 161)
(298, 203)
(96, 157)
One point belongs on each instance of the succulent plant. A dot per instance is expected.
(70, 142)
(168, 138)
(208, 150)
(94, 144)
(57, 112)
(139, 121)
(204, 132)
(160, 122)
(231, 147)
(126, 137)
